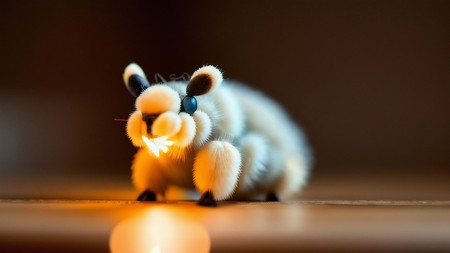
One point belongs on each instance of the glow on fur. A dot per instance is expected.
(217, 169)
(167, 124)
(158, 99)
(157, 144)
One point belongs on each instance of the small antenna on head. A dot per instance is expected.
(159, 78)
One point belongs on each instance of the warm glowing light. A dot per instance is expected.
(157, 144)
(155, 249)
(161, 229)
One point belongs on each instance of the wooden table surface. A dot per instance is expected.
(128, 226)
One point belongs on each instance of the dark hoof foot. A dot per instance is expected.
(147, 196)
(271, 197)
(207, 199)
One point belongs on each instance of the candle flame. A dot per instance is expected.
(156, 144)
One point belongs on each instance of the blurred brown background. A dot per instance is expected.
(369, 81)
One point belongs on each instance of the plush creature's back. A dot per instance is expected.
(281, 149)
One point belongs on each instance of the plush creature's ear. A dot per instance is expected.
(205, 80)
(135, 79)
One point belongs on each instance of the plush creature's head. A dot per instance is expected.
(166, 113)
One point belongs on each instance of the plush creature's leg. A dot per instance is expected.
(272, 197)
(216, 171)
(147, 176)
(147, 196)
(255, 152)
(293, 178)
(207, 199)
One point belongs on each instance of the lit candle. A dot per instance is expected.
(157, 144)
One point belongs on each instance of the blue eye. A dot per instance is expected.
(189, 105)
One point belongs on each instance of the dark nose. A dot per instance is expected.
(149, 119)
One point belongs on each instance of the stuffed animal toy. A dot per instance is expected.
(219, 137)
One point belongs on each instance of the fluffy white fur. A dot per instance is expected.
(255, 153)
(203, 128)
(132, 69)
(158, 99)
(238, 144)
(231, 122)
(217, 168)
